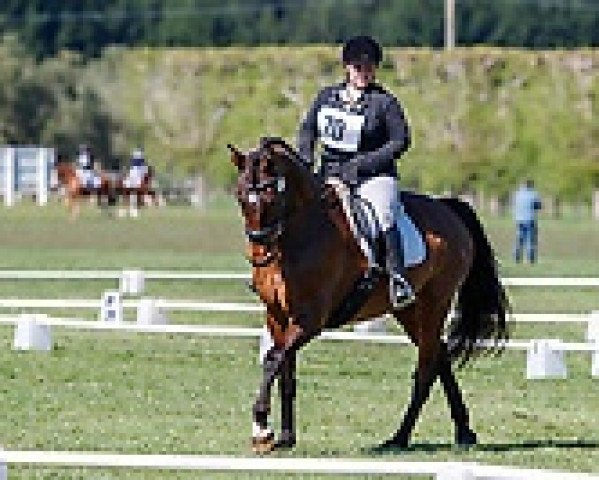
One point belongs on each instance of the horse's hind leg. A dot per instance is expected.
(459, 413)
(424, 328)
(423, 323)
(428, 342)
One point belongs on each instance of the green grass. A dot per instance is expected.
(172, 238)
(141, 393)
(138, 393)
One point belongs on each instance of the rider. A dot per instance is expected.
(84, 169)
(138, 169)
(362, 130)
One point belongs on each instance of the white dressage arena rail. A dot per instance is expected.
(344, 466)
(116, 274)
(214, 275)
(232, 307)
(545, 357)
(257, 332)
(188, 305)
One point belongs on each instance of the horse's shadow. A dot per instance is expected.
(432, 447)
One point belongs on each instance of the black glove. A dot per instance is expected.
(348, 172)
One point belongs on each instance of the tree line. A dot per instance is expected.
(88, 27)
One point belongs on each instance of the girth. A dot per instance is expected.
(355, 299)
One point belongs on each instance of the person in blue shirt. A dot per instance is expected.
(526, 205)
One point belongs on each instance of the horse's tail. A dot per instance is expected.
(482, 305)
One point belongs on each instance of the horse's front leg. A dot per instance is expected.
(262, 434)
(287, 388)
(280, 360)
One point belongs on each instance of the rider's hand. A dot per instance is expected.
(349, 172)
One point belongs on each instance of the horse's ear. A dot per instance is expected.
(279, 149)
(237, 158)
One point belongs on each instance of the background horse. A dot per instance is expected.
(75, 191)
(308, 270)
(130, 198)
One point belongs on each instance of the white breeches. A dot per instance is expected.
(136, 176)
(383, 194)
(88, 178)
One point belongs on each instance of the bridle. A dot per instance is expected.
(268, 235)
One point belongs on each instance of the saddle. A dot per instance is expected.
(368, 233)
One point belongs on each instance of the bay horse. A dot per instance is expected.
(307, 268)
(75, 191)
(133, 197)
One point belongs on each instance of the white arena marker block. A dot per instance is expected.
(150, 313)
(545, 359)
(132, 282)
(111, 309)
(377, 325)
(266, 343)
(32, 334)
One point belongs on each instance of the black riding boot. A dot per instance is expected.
(400, 290)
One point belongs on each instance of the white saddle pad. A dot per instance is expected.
(89, 179)
(135, 177)
(366, 229)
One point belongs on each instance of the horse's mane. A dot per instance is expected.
(298, 165)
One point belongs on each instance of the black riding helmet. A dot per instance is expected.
(362, 48)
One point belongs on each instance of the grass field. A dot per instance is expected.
(138, 393)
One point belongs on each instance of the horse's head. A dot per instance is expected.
(64, 171)
(272, 183)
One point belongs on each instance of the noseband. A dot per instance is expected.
(268, 235)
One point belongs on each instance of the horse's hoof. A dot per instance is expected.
(285, 441)
(394, 443)
(263, 445)
(465, 438)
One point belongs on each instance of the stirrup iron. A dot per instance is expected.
(401, 292)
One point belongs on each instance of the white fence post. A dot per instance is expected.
(593, 326)
(9, 176)
(3, 469)
(150, 313)
(132, 282)
(42, 179)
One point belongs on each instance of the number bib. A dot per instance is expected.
(340, 130)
